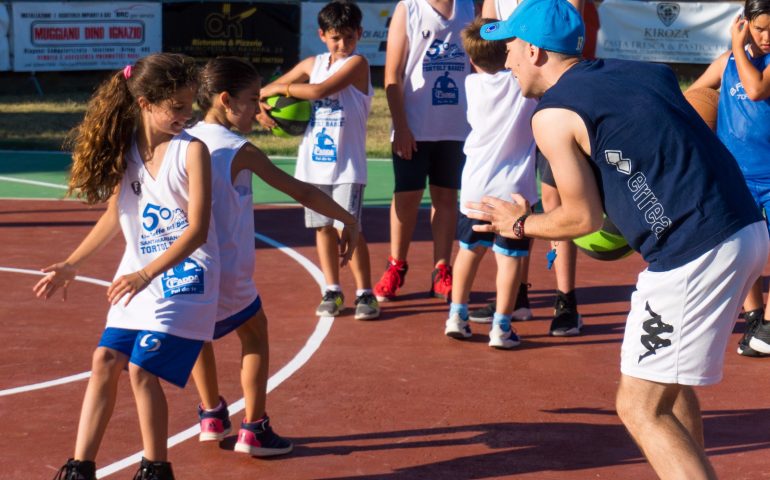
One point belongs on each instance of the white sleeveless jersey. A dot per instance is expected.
(436, 67)
(333, 150)
(233, 210)
(505, 8)
(181, 301)
(500, 150)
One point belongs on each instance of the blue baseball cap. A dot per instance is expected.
(553, 25)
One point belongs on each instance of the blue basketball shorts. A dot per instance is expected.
(440, 163)
(760, 190)
(470, 239)
(166, 356)
(223, 327)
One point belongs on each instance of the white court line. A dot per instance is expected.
(322, 329)
(33, 182)
(58, 381)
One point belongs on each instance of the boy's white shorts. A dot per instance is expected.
(681, 320)
(349, 196)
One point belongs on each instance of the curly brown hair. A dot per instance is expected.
(100, 142)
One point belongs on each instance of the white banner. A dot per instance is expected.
(5, 52)
(83, 35)
(672, 32)
(376, 17)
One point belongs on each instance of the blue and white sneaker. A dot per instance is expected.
(457, 328)
(503, 339)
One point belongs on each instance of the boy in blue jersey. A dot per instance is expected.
(645, 145)
(743, 125)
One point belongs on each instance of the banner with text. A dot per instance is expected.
(376, 18)
(5, 23)
(266, 34)
(83, 35)
(672, 32)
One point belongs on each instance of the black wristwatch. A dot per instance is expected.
(518, 226)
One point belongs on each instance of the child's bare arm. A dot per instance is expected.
(355, 72)
(251, 158)
(712, 77)
(299, 74)
(60, 274)
(395, 67)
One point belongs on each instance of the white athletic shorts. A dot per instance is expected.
(681, 320)
(348, 195)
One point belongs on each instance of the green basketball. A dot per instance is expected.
(604, 244)
(291, 114)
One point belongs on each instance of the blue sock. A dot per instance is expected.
(504, 321)
(460, 309)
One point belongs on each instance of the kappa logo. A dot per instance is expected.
(654, 327)
(615, 157)
(668, 12)
(425, 34)
(148, 341)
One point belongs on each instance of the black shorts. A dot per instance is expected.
(440, 162)
(470, 239)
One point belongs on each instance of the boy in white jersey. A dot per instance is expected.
(332, 155)
(500, 158)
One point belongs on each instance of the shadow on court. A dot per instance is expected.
(534, 447)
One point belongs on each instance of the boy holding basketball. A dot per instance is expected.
(332, 155)
(500, 160)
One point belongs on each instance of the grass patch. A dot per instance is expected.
(41, 123)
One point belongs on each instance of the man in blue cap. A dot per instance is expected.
(621, 138)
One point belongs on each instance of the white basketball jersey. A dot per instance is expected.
(500, 150)
(333, 150)
(181, 301)
(436, 67)
(233, 210)
(505, 8)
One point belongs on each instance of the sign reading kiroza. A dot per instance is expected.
(673, 32)
(83, 35)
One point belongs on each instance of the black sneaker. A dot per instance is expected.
(483, 314)
(77, 470)
(760, 337)
(753, 320)
(154, 471)
(566, 319)
(521, 310)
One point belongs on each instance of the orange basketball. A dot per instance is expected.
(705, 101)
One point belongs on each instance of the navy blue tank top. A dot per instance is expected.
(670, 186)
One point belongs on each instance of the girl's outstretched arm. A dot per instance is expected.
(712, 77)
(251, 158)
(198, 165)
(60, 274)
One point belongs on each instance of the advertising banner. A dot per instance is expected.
(5, 23)
(266, 34)
(376, 18)
(671, 32)
(83, 35)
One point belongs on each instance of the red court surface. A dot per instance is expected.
(388, 399)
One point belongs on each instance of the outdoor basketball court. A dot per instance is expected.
(387, 399)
